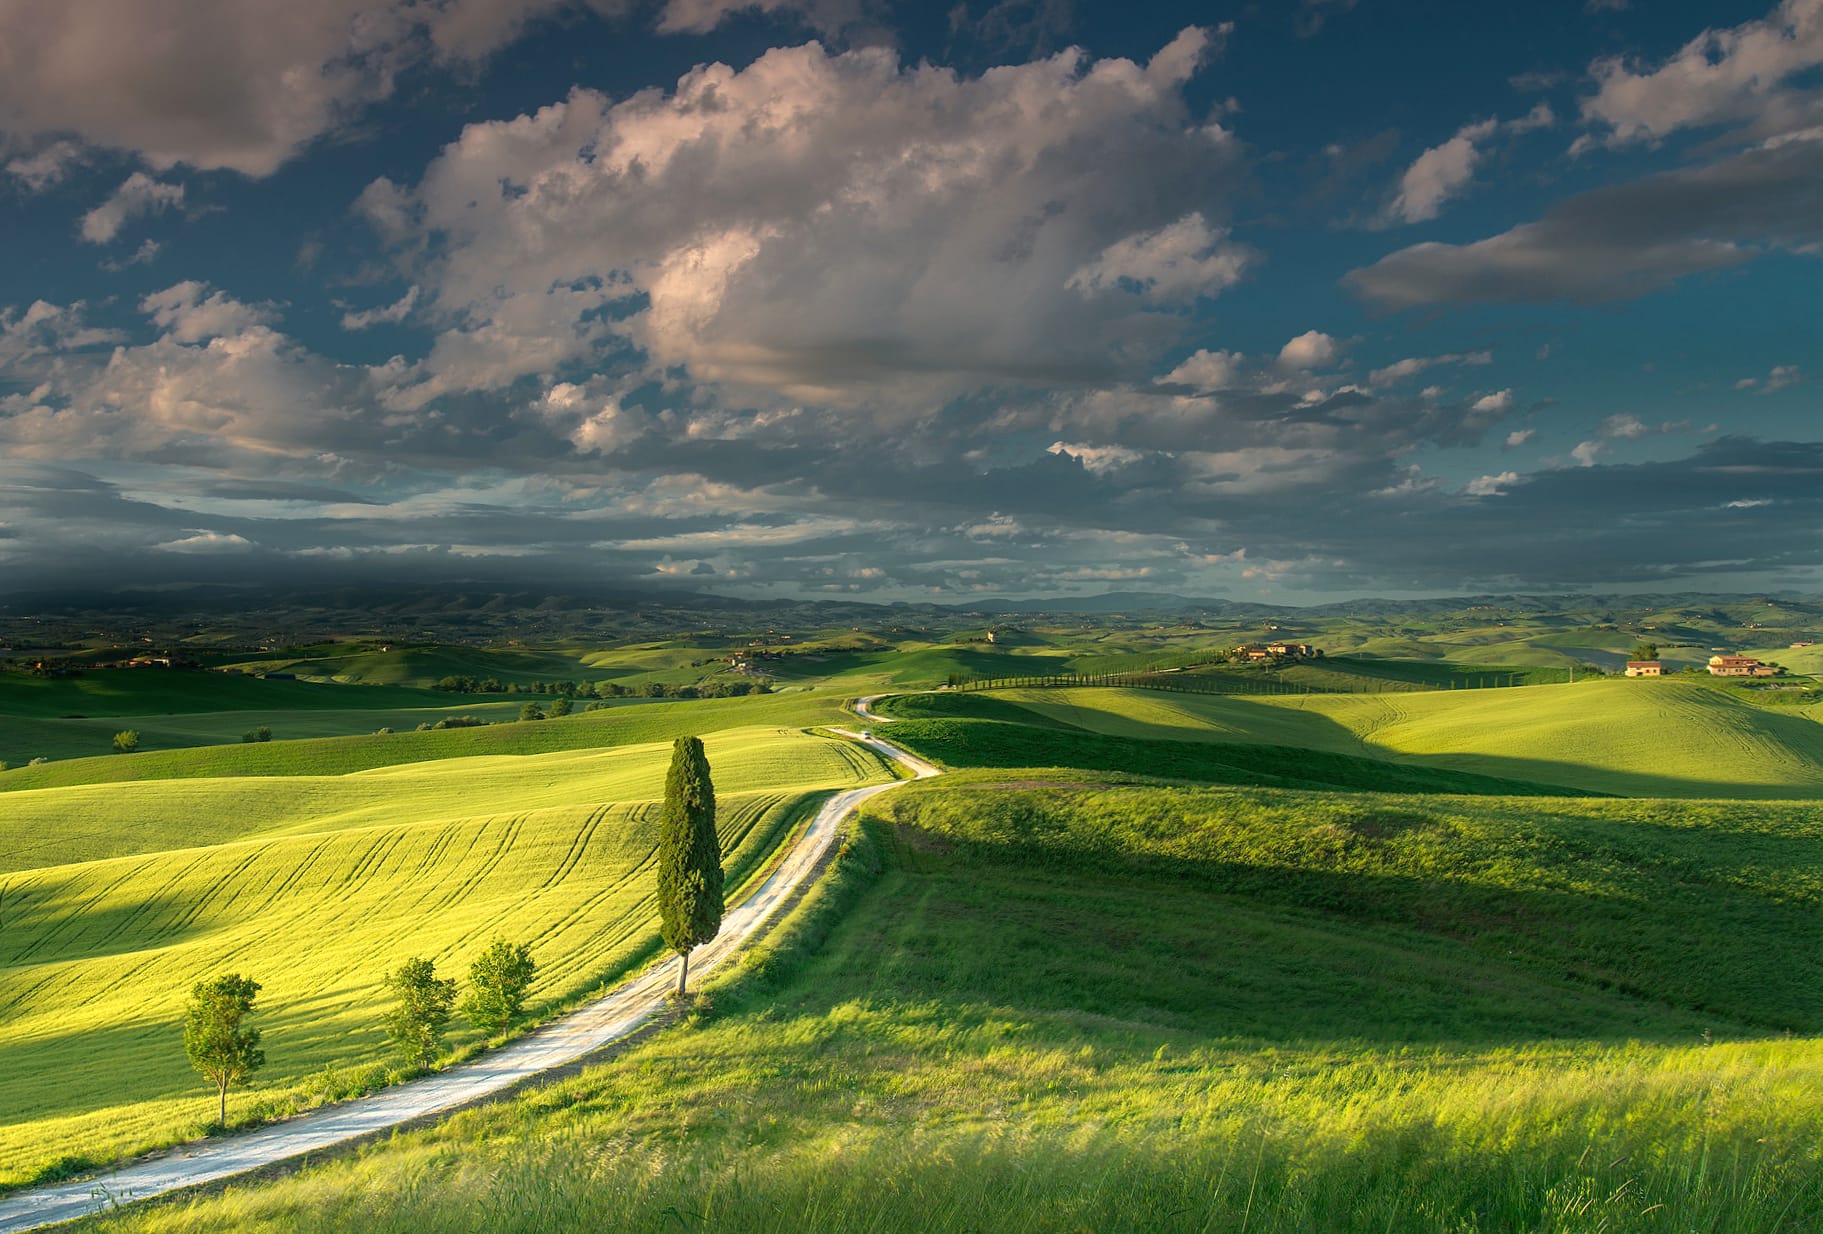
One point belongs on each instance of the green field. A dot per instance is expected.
(1035, 1009)
(622, 723)
(121, 896)
(1643, 738)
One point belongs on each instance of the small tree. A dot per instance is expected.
(498, 981)
(1645, 651)
(531, 711)
(689, 856)
(126, 741)
(219, 1044)
(560, 707)
(416, 1024)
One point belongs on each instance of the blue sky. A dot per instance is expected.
(840, 297)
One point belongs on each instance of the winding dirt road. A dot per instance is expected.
(557, 1044)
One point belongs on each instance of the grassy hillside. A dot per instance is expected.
(1033, 1010)
(1634, 738)
(45, 827)
(618, 724)
(337, 880)
(140, 692)
(998, 744)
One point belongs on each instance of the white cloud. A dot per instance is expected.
(1206, 371)
(1444, 172)
(1781, 376)
(388, 314)
(1098, 458)
(239, 84)
(1182, 261)
(1718, 77)
(920, 225)
(1401, 370)
(1498, 403)
(1310, 350)
(46, 166)
(1624, 426)
(187, 315)
(138, 194)
(207, 542)
(1492, 486)
(1586, 452)
(1518, 437)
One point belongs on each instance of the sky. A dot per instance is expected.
(1287, 301)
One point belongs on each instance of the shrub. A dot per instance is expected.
(126, 741)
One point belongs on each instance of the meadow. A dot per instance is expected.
(122, 895)
(1652, 738)
(1085, 1006)
(1370, 959)
(620, 723)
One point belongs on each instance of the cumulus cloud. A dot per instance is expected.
(1206, 370)
(239, 84)
(1718, 77)
(1518, 437)
(138, 195)
(1491, 486)
(43, 330)
(919, 223)
(189, 312)
(1444, 172)
(1179, 262)
(1310, 350)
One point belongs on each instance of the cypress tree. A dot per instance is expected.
(689, 856)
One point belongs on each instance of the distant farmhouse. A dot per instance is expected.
(1645, 668)
(1741, 666)
(1276, 651)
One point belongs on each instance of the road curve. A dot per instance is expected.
(608, 1019)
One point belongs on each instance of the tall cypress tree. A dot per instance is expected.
(689, 856)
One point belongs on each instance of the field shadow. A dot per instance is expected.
(1283, 955)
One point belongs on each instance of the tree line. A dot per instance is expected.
(732, 687)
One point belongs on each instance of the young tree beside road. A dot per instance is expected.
(215, 1036)
(416, 1023)
(498, 980)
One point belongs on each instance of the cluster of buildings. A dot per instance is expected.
(1719, 666)
(1276, 651)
